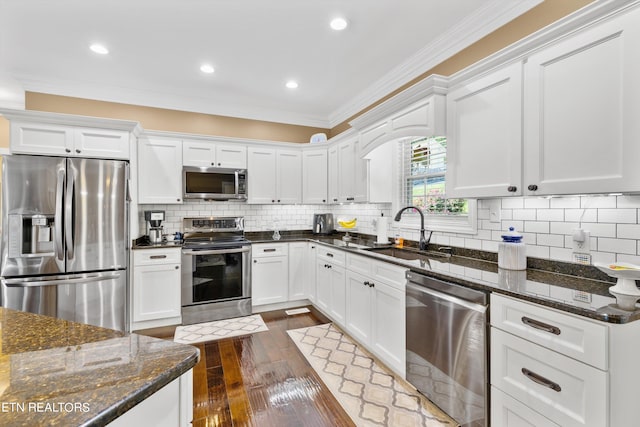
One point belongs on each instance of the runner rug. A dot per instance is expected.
(218, 329)
(368, 392)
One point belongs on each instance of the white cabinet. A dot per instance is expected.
(156, 288)
(314, 176)
(332, 171)
(297, 271)
(559, 368)
(581, 103)
(159, 170)
(310, 268)
(375, 313)
(269, 273)
(71, 141)
(274, 176)
(484, 135)
(330, 283)
(214, 154)
(352, 173)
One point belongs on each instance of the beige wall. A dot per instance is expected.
(179, 121)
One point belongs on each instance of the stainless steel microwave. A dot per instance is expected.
(214, 183)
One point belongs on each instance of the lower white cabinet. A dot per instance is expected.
(156, 288)
(310, 266)
(269, 273)
(297, 271)
(507, 411)
(375, 313)
(330, 283)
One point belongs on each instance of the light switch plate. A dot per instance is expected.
(494, 210)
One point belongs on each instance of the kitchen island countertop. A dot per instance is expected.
(57, 372)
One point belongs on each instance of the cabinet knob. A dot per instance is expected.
(67, 150)
(335, 200)
(78, 151)
(219, 164)
(177, 200)
(255, 261)
(512, 189)
(366, 283)
(213, 163)
(278, 200)
(177, 267)
(532, 187)
(324, 201)
(329, 266)
(273, 201)
(372, 285)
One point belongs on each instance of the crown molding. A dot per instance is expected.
(171, 101)
(70, 120)
(484, 21)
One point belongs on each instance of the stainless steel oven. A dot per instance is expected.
(216, 270)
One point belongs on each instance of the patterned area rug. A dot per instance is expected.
(226, 328)
(369, 393)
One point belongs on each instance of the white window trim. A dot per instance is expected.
(467, 224)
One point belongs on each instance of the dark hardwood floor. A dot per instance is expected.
(261, 379)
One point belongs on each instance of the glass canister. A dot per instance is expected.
(512, 254)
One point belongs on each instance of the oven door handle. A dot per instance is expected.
(216, 251)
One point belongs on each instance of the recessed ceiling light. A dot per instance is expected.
(338, 24)
(98, 48)
(207, 68)
(292, 84)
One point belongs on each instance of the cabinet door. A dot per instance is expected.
(29, 138)
(581, 112)
(231, 156)
(509, 412)
(388, 325)
(338, 306)
(332, 172)
(297, 270)
(269, 280)
(346, 171)
(261, 171)
(314, 176)
(361, 175)
(323, 285)
(156, 292)
(310, 268)
(159, 171)
(198, 153)
(101, 143)
(359, 309)
(289, 176)
(484, 141)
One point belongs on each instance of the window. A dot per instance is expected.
(424, 164)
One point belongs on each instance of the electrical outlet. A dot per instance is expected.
(584, 246)
(581, 296)
(582, 258)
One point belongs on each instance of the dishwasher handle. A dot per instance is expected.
(450, 298)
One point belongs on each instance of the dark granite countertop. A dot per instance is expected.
(573, 288)
(144, 243)
(56, 372)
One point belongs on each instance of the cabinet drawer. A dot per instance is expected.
(568, 392)
(509, 412)
(360, 264)
(333, 255)
(156, 256)
(391, 274)
(264, 250)
(575, 337)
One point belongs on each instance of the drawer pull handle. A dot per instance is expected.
(269, 250)
(542, 326)
(157, 256)
(329, 254)
(538, 379)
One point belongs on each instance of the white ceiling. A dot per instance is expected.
(157, 46)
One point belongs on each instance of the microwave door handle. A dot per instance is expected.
(237, 184)
(68, 215)
(58, 216)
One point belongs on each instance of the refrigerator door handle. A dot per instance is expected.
(33, 282)
(68, 214)
(58, 216)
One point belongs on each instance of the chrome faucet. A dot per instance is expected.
(423, 241)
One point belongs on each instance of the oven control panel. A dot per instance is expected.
(213, 224)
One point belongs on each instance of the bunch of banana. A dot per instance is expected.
(347, 224)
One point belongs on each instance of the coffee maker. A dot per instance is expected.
(154, 225)
(323, 223)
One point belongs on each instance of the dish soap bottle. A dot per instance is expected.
(512, 253)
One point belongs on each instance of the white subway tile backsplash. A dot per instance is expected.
(628, 231)
(513, 203)
(491, 246)
(536, 226)
(627, 216)
(581, 215)
(536, 203)
(550, 214)
(562, 227)
(619, 246)
(564, 202)
(561, 254)
(600, 230)
(550, 240)
(538, 251)
(589, 202)
(628, 202)
(631, 259)
(603, 257)
(524, 214)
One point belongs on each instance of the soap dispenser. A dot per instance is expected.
(512, 253)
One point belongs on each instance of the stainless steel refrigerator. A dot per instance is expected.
(64, 238)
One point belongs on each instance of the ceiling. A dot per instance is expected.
(256, 46)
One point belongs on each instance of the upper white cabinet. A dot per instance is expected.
(274, 175)
(581, 109)
(484, 135)
(159, 170)
(213, 154)
(352, 173)
(314, 176)
(332, 170)
(71, 141)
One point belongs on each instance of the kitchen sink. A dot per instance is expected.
(408, 254)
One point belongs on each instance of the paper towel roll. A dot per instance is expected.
(381, 230)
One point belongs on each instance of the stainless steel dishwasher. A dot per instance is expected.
(447, 347)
